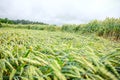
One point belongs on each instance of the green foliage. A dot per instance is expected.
(109, 28)
(44, 55)
(68, 28)
(92, 26)
(6, 20)
(0, 25)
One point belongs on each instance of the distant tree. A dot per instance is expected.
(0, 25)
(6, 20)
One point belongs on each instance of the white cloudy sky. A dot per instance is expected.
(60, 11)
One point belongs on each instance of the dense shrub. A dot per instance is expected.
(110, 27)
(69, 28)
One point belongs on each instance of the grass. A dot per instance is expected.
(44, 55)
(30, 26)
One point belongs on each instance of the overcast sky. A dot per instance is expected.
(60, 11)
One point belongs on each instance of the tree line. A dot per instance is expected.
(6, 20)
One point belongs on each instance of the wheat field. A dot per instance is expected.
(44, 55)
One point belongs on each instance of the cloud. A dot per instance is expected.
(60, 11)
